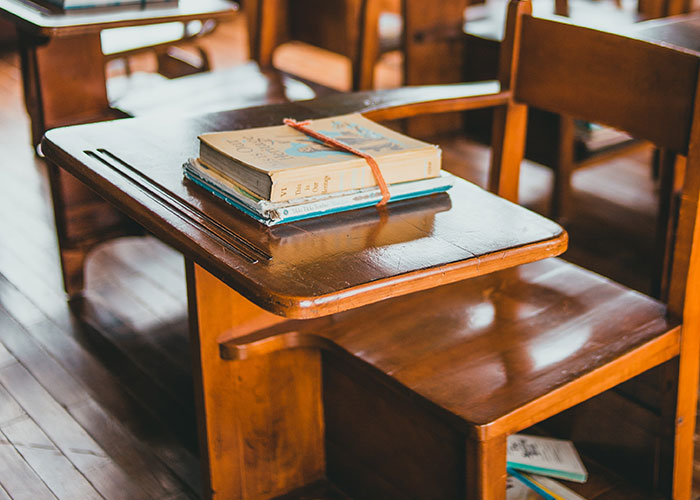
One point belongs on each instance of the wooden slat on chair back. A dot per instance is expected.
(333, 25)
(636, 86)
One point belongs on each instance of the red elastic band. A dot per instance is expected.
(302, 127)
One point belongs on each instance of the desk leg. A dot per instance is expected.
(64, 84)
(63, 80)
(486, 469)
(260, 420)
(82, 220)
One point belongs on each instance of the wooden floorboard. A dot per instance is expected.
(96, 400)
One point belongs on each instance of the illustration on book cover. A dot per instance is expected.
(286, 147)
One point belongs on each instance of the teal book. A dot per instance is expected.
(545, 456)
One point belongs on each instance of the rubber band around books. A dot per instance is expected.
(302, 127)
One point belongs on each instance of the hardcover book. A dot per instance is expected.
(545, 456)
(280, 163)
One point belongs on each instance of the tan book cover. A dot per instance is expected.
(280, 163)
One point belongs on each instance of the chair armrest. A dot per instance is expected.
(405, 102)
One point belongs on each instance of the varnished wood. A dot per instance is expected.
(481, 385)
(427, 32)
(485, 464)
(509, 120)
(346, 27)
(405, 102)
(128, 313)
(662, 345)
(281, 392)
(269, 259)
(683, 300)
(668, 125)
(491, 399)
(552, 140)
(64, 80)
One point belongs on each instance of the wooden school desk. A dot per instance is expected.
(260, 420)
(63, 71)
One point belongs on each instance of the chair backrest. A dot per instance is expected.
(634, 85)
(347, 27)
(649, 89)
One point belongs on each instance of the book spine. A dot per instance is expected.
(559, 474)
(557, 489)
(291, 213)
(288, 186)
(318, 204)
(361, 200)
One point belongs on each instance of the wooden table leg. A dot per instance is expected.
(82, 220)
(486, 469)
(64, 81)
(64, 84)
(260, 420)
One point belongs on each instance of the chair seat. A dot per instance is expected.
(485, 348)
(238, 87)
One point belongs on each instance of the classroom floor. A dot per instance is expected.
(97, 402)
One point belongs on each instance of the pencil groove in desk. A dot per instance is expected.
(230, 240)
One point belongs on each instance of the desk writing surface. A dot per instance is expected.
(682, 32)
(307, 268)
(39, 19)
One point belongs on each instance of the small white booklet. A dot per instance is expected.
(545, 456)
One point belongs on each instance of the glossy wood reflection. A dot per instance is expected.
(295, 269)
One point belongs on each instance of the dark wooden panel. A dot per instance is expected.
(333, 25)
(364, 418)
(549, 77)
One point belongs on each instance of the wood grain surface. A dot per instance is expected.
(296, 269)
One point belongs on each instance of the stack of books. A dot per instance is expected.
(89, 4)
(278, 174)
(534, 461)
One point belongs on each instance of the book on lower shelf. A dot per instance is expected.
(539, 487)
(518, 490)
(272, 213)
(280, 163)
(556, 458)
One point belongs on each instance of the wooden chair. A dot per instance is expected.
(420, 392)
(347, 27)
(555, 141)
